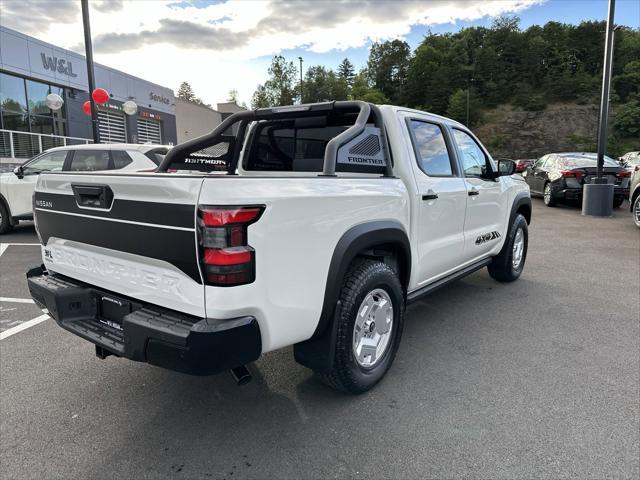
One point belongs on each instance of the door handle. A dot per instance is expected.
(430, 195)
(473, 192)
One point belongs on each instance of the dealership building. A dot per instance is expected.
(31, 69)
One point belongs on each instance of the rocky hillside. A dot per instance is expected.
(512, 132)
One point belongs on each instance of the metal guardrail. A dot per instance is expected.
(16, 144)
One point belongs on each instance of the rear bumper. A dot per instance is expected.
(576, 193)
(147, 333)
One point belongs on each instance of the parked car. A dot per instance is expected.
(16, 189)
(328, 219)
(634, 196)
(523, 163)
(630, 160)
(561, 176)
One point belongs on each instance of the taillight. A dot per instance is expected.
(626, 173)
(572, 174)
(226, 255)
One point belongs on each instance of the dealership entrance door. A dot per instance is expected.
(112, 127)
(149, 131)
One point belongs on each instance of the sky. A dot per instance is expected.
(220, 45)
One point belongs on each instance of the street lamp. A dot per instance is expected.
(597, 197)
(300, 58)
(90, 73)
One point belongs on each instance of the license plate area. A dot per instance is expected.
(111, 310)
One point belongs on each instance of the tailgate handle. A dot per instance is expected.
(93, 196)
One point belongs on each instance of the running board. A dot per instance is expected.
(452, 277)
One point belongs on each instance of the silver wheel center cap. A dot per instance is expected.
(372, 328)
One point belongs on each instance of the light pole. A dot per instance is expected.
(597, 197)
(300, 58)
(90, 73)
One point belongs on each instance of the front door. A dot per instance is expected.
(487, 205)
(441, 200)
(20, 190)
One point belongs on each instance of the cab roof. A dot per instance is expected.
(143, 148)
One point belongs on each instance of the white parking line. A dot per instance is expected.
(16, 300)
(4, 246)
(23, 326)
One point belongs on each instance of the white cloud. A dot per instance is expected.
(213, 47)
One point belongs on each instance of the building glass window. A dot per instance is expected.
(23, 106)
(12, 93)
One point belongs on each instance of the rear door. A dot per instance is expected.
(132, 234)
(487, 199)
(441, 199)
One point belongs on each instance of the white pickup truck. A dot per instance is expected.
(309, 225)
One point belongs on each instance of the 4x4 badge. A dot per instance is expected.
(486, 237)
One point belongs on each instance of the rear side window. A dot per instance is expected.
(431, 149)
(89, 160)
(120, 159)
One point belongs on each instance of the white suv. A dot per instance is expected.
(17, 188)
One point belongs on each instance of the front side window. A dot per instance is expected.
(47, 162)
(89, 160)
(474, 161)
(431, 149)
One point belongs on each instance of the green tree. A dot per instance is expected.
(457, 108)
(346, 72)
(627, 120)
(388, 67)
(185, 92)
(361, 90)
(322, 84)
(232, 96)
(281, 86)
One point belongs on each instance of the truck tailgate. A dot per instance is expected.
(133, 234)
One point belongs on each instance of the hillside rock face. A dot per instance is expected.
(510, 132)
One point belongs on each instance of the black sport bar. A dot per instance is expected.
(272, 113)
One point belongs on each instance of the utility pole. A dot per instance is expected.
(300, 58)
(597, 197)
(467, 124)
(90, 72)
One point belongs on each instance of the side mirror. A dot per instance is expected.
(506, 168)
(19, 172)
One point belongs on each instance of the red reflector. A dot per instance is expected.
(626, 173)
(217, 217)
(572, 174)
(226, 256)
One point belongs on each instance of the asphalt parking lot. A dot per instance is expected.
(539, 378)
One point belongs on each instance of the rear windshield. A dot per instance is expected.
(298, 145)
(577, 162)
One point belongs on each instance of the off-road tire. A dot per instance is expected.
(363, 277)
(548, 200)
(635, 211)
(502, 268)
(5, 219)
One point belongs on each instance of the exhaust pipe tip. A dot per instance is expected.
(241, 375)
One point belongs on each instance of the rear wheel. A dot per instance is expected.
(5, 219)
(370, 321)
(509, 263)
(617, 202)
(636, 211)
(547, 196)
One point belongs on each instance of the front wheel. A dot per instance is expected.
(370, 321)
(507, 266)
(5, 219)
